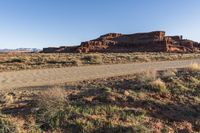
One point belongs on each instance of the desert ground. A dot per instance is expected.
(99, 93)
(45, 77)
(27, 61)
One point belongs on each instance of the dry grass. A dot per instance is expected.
(51, 99)
(23, 61)
(148, 75)
(7, 126)
(159, 85)
(169, 73)
(50, 106)
(92, 59)
(115, 105)
(194, 67)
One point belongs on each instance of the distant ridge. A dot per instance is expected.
(20, 50)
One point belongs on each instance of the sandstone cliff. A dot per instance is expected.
(140, 42)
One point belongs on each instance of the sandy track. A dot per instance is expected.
(47, 77)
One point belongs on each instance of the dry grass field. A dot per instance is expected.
(153, 101)
(165, 101)
(24, 61)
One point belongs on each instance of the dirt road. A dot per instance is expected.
(47, 77)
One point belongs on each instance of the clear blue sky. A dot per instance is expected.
(43, 23)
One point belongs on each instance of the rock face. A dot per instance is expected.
(139, 42)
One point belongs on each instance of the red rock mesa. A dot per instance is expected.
(155, 41)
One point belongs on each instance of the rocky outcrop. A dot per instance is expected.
(153, 41)
(139, 42)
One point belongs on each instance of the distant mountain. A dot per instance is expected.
(20, 50)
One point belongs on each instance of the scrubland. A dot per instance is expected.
(163, 101)
(25, 61)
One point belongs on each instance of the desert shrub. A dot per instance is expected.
(17, 60)
(169, 73)
(51, 97)
(140, 129)
(148, 75)
(51, 106)
(109, 128)
(165, 130)
(107, 89)
(140, 58)
(143, 79)
(7, 126)
(56, 62)
(159, 86)
(194, 67)
(92, 59)
(197, 124)
(114, 129)
(34, 130)
(2, 98)
(38, 59)
(7, 98)
(178, 86)
(76, 62)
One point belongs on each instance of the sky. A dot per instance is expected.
(46, 23)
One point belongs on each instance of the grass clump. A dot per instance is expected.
(142, 80)
(51, 105)
(148, 75)
(92, 59)
(159, 86)
(194, 67)
(7, 126)
(76, 62)
(51, 98)
(169, 73)
(179, 87)
(17, 60)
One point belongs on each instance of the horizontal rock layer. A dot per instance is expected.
(139, 42)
